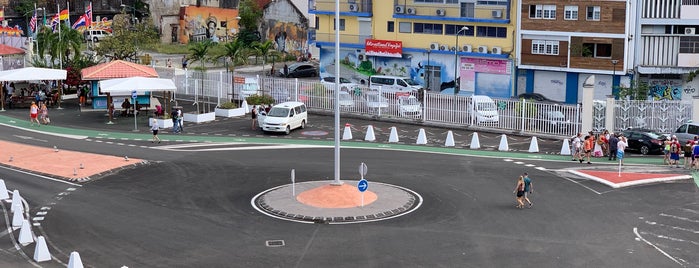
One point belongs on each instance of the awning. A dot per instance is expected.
(139, 84)
(32, 73)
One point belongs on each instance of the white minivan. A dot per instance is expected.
(284, 117)
(392, 84)
(484, 109)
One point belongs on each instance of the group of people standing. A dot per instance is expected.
(672, 150)
(612, 146)
(39, 112)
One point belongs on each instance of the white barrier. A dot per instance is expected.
(475, 142)
(25, 234)
(503, 144)
(17, 218)
(347, 133)
(565, 148)
(75, 261)
(450, 139)
(370, 134)
(394, 135)
(41, 251)
(534, 146)
(421, 137)
(16, 201)
(3, 191)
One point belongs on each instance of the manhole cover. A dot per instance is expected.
(274, 243)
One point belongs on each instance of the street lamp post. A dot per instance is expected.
(457, 85)
(614, 63)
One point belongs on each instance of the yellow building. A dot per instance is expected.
(423, 40)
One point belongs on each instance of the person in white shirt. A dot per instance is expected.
(577, 145)
(620, 147)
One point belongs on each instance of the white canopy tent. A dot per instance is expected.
(124, 86)
(32, 73)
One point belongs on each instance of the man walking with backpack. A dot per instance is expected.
(175, 122)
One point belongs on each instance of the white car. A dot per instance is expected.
(345, 84)
(409, 106)
(375, 101)
(284, 117)
(346, 100)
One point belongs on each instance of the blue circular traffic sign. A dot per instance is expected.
(363, 185)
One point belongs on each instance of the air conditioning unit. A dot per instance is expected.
(443, 47)
(482, 49)
(398, 9)
(353, 7)
(361, 57)
(497, 50)
(411, 11)
(466, 48)
(434, 46)
(452, 49)
(690, 30)
(497, 14)
(441, 12)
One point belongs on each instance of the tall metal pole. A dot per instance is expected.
(457, 85)
(337, 181)
(614, 63)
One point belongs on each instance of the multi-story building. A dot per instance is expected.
(429, 41)
(562, 42)
(667, 43)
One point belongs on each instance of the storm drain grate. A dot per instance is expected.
(274, 243)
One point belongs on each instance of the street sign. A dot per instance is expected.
(362, 170)
(134, 94)
(363, 185)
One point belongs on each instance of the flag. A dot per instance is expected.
(88, 15)
(81, 22)
(2, 13)
(32, 22)
(63, 15)
(55, 21)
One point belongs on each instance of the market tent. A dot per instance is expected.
(124, 86)
(32, 73)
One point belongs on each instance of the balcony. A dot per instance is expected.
(357, 8)
(464, 12)
(350, 40)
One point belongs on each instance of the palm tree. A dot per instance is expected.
(263, 49)
(234, 51)
(59, 45)
(199, 52)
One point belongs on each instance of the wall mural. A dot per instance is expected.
(201, 23)
(104, 24)
(664, 89)
(11, 31)
(288, 37)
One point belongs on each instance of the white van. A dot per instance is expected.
(284, 117)
(392, 84)
(95, 35)
(484, 109)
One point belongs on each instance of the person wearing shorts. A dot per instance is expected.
(695, 156)
(154, 127)
(519, 191)
(687, 151)
(34, 114)
(620, 147)
(675, 149)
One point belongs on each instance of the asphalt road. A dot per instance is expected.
(190, 206)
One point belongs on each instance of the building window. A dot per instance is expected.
(542, 11)
(689, 44)
(487, 31)
(428, 28)
(405, 27)
(391, 27)
(342, 24)
(492, 3)
(597, 50)
(468, 10)
(571, 13)
(317, 23)
(593, 13)
(438, 1)
(545, 47)
(452, 29)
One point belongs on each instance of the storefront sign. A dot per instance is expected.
(383, 48)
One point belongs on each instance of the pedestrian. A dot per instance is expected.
(613, 140)
(695, 156)
(603, 141)
(666, 150)
(588, 144)
(528, 189)
(253, 115)
(34, 114)
(180, 119)
(577, 148)
(687, 150)
(184, 62)
(675, 149)
(519, 192)
(169, 63)
(44, 114)
(175, 121)
(154, 127)
(620, 147)
(286, 70)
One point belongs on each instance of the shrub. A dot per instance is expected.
(228, 105)
(260, 99)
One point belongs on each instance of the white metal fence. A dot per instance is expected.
(207, 90)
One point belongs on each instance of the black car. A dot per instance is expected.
(536, 97)
(299, 70)
(644, 141)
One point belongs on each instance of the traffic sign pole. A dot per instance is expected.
(362, 186)
(293, 182)
(133, 96)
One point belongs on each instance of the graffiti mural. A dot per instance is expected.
(104, 24)
(202, 23)
(288, 37)
(664, 89)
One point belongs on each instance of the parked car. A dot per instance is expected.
(375, 101)
(95, 35)
(687, 132)
(346, 100)
(644, 141)
(393, 84)
(300, 70)
(535, 97)
(409, 106)
(484, 109)
(284, 117)
(345, 84)
(556, 120)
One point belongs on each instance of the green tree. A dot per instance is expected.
(127, 38)
(637, 91)
(250, 13)
(199, 52)
(264, 49)
(62, 45)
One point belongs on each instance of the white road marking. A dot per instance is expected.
(679, 218)
(41, 213)
(673, 227)
(519, 163)
(38, 218)
(635, 231)
(71, 189)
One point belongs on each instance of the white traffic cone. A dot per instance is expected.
(245, 107)
(394, 135)
(17, 218)
(41, 251)
(475, 142)
(347, 133)
(534, 146)
(75, 261)
(565, 148)
(370, 134)
(503, 144)
(3, 191)
(450, 139)
(421, 137)
(16, 201)
(25, 234)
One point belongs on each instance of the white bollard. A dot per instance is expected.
(475, 142)
(245, 106)
(450, 139)
(3, 191)
(534, 146)
(75, 261)
(503, 144)
(41, 251)
(25, 234)
(16, 201)
(565, 148)
(347, 133)
(370, 134)
(421, 137)
(394, 135)
(17, 218)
